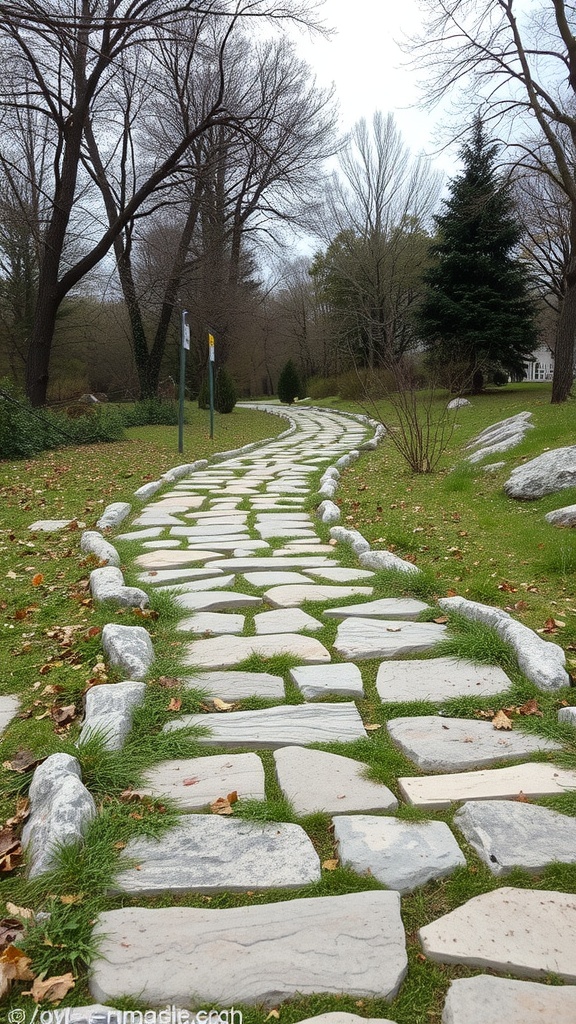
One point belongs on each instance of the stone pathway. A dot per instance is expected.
(243, 523)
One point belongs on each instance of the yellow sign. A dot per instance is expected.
(211, 347)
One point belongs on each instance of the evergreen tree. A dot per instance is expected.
(477, 310)
(225, 391)
(289, 383)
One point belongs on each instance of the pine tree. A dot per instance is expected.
(225, 391)
(477, 310)
(289, 383)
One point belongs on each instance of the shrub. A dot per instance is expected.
(150, 412)
(289, 384)
(225, 397)
(322, 387)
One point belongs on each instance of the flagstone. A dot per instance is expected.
(195, 782)
(214, 601)
(191, 586)
(159, 576)
(208, 853)
(294, 594)
(50, 525)
(212, 622)
(274, 517)
(153, 531)
(508, 834)
(359, 638)
(157, 545)
(343, 680)
(284, 530)
(173, 559)
(209, 531)
(9, 708)
(282, 726)
(290, 620)
(293, 548)
(489, 1000)
(259, 562)
(259, 954)
(401, 854)
(339, 784)
(437, 743)
(384, 608)
(232, 545)
(157, 519)
(340, 575)
(526, 932)
(237, 685)
(225, 651)
(270, 579)
(530, 780)
(438, 679)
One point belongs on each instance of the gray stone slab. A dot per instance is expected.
(526, 932)
(340, 575)
(220, 623)
(144, 534)
(508, 834)
(215, 600)
(209, 531)
(269, 530)
(293, 548)
(232, 685)
(113, 515)
(255, 954)
(339, 784)
(209, 853)
(60, 810)
(9, 707)
(294, 594)
(194, 783)
(274, 579)
(262, 563)
(360, 639)
(562, 516)
(441, 744)
(337, 1017)
(273, 518)
(401, 854)
(489, 1000)
(343, 680)
(550, 472)
(49, 525)
(107, 584)
(226, 651)
(285, 620)
(246, 546)
(196, 586)
(157, 577)
(438, 679)
(155, 545)
(128, 648)
(567, 715)
(283, 726)
(384, 608)
(108, 712)
(386, 560)
(93, 543)
(532, 780)
(173, 559)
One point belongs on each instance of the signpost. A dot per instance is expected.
(211, 380)
(184, 347)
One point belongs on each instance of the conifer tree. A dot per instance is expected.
(477, 310)
(289, 383)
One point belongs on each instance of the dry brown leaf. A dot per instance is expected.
(52, 990)
(481, 713)
(10, 929)
(508, 588)
(37, 579)
(530, 708)
(23, 912)
(168, 682)
(22, 812)
(441, 619)
(221, 705)
(275, 1014)
(63, 716)
(372, 728)
(223, 805)
(14, 966)
(522, 798)
(451, 593)
(330, 865)
(175, 704)
(73, 899)
(23, 761)
(501, 721)
(190, 782)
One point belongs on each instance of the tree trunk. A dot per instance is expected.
(566, 330)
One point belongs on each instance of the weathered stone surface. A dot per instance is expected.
(550, 472)
(567, 715)
(324, 680)
(401, 854)
(227, 651)
(195, 782)
(107, 584)
(268, 530)
(128, 648)
(49, 525)
(214, 600)
(292, 595)
(562, 516)
(340, 575)
(160, 576)
(60, 809)
(113, 514)
(149, 519)
(357, 542)
(155, 545)
(207, 853)
(9, 707)
(508, 834)
(283, 726)
(541, 661)
(210, 531)
(499, 431)
(489, 1000)
(337, 1017)
(173, 559)
(219, 623)
(458, 403)
(527, 932)
(108, 712)
(285, 620)
(259, 563)
(328, 489)
(147, 490)
(274, 579)
(385, 608)
(328, 511)
(339, 785)
(440, 744)
(533, 780)
(438, 679)
(492, 467)
(194, 586)
(143, 534)
(374, 638)
(386, 560)
(255, 954)
(93, 542)
(238, 685)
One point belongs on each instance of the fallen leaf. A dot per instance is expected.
(501, 721)
(23, 761)
(372, 728)
(530, 708)
(451, 593)
(175, 704)
(37, 579)
(63, 716)
(14, 966)
(119, 845)
(508, 588)
(393, 629)
(190, 782)
(23, 912)
(52, 990)
(146, 613)
(69, 901)
(488, 713)
(10, 929)
(168, 682)
(223, 805)
(441, 619)
(273, 1013)
(521, 798)
(221, 705)
(330, 865)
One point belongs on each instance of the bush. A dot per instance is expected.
(322, 387)
(289, 384)
(150, 412)
(225, 397)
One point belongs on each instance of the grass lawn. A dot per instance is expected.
(456, 524)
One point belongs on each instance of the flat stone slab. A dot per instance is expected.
(489, 1000)
(508, 834)
(532, 780)
(438, 679)
(324, 680)
(49, 525)
(109, 709)
(212, 622)
(283, 726)
(152, 531)
(440, 744)
(196, 586)
(339, 785)
(401, 854)
(128, 648)
(527, 932)
(293, 595)
(384, 608)
(212, 601)
(286, 562)
(274, 579)
(9, 708)
(232, 686)
(227, 651)
(60, 810)
(255, 954)
(340, 575)
(158, 577)
(173, 559)
(155, 545)
(208, 853)
(285, 620)
(550, 472)
(195, 782)
(337, 1017)
(359, 639)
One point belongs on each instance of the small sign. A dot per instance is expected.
(185, 331)
(211, 347)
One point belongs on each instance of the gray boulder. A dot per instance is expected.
(109, 710)
(128, 648)
(562, 516)
(107, 584)
(328, 511)
(93, 543)
(386, 560)
(61, 808)
(550, 472)
(357, 542)
(113, 515)
(458, 403)
(147, 490)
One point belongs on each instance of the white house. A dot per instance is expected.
(542, 366)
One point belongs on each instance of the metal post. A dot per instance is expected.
(211, 380)
(184, 345)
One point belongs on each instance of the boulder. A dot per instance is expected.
(550, 472)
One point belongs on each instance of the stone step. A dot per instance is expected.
(339, 783)
(343, 680)
(361, 639)
(256, 954)
(226, 651)
(195, 782)
(208, 853)
(340, 575)
(489, 1000)
(508, 834)
(235, 685)
(163, 559)
(530, 780)
(526, 932)
(212, 622)
(207, 601)
(9, 708)
(384, 608)
(282, 726)
(292, 595)
(285, 620)
(438, 679)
